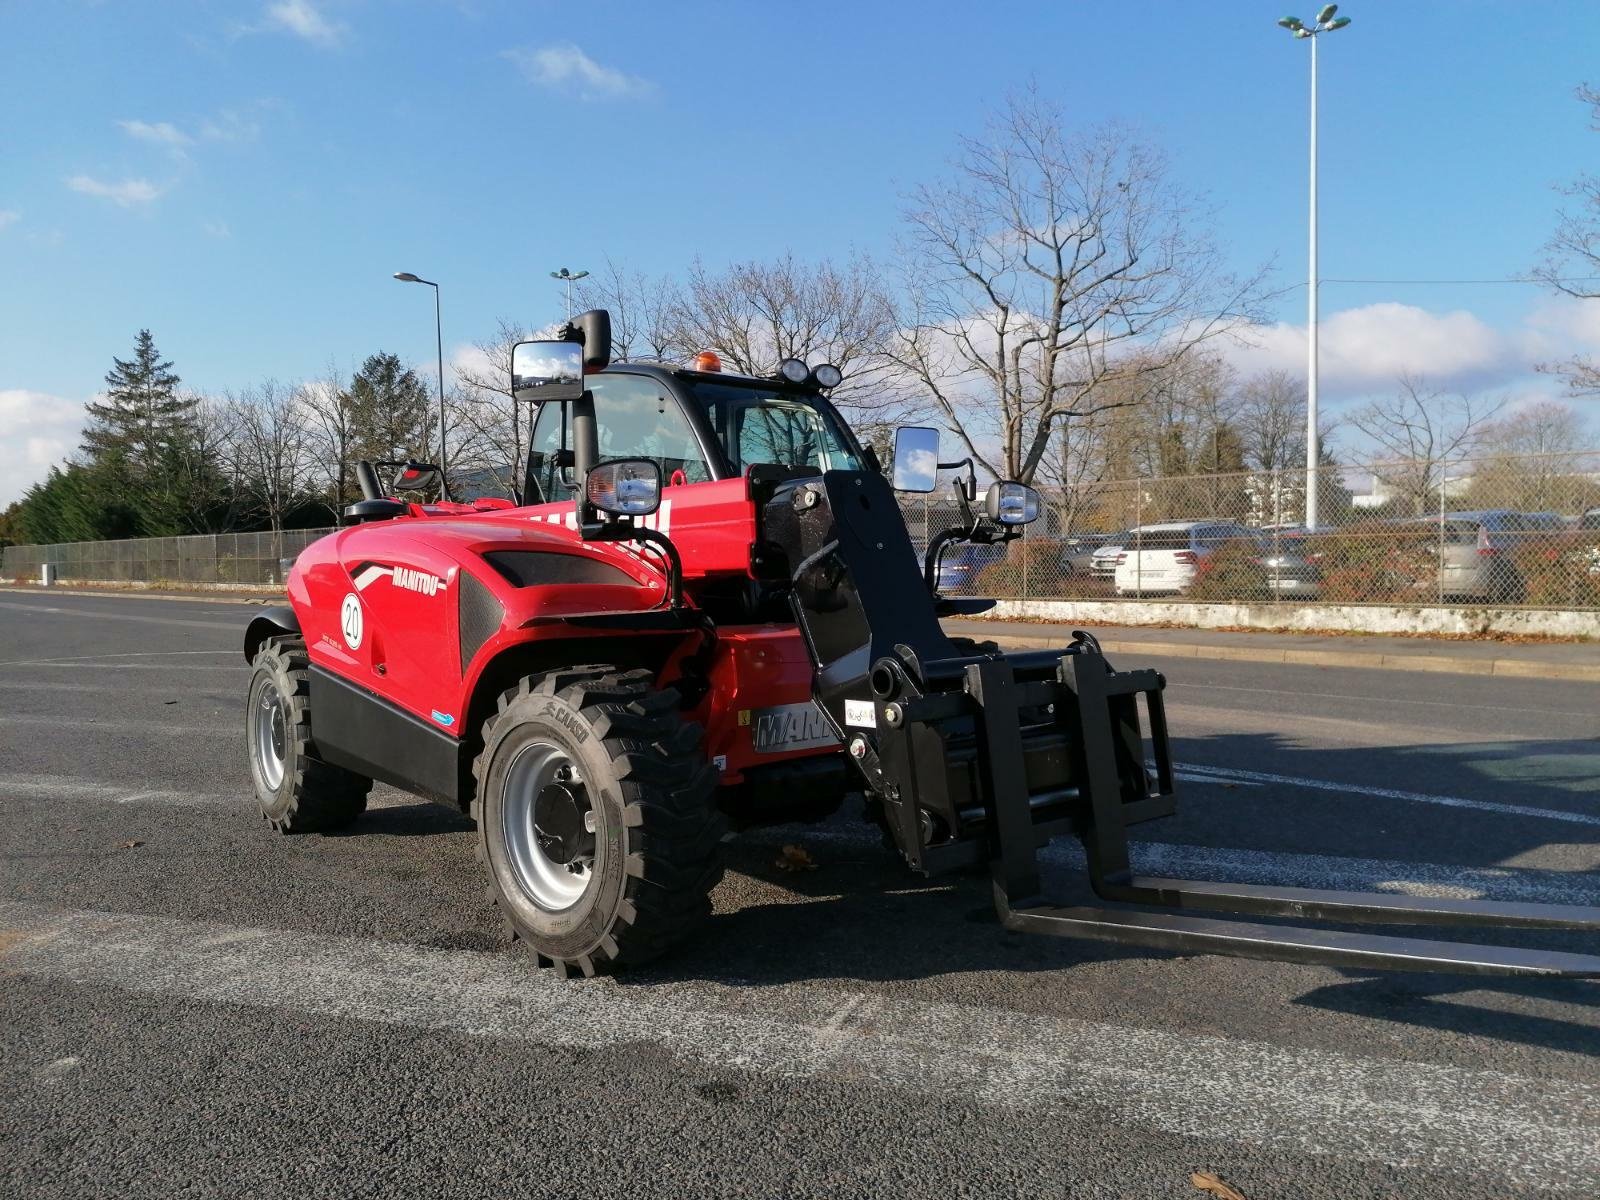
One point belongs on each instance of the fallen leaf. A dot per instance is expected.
(795, 858)
(1207, 1182)
(169, 702)
(131, 843)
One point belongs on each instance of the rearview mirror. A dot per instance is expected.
(627, 487)
(543, 371)
(1008, 503)
(916, 459)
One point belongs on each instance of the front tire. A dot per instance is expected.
(297, 792)
(596, 819)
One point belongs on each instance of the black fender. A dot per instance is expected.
(269, 622)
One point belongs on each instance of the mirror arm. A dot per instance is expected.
(972, 475)
(625, 531)
(585, 435)
(367, 478)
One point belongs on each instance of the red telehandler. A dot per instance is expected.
(709, 610)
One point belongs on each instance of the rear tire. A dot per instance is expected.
(297, 792)
(596, 818)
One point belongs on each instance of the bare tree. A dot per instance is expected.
(756, 314)
(1571, 264)
(490, 425)
(206, 464)
(330, 436)
(1272, 420)
(272, 445)
(640, 309)
(1536, 459)
(1417, 432)
(1052, 265)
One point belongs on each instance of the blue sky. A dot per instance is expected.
(243, 178)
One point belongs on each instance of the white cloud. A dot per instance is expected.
(125, 193)
(37, 432)
(217, 229)
(1368, 348)
(162, 133)
(9, 216)
(566, 68)
(305, 21)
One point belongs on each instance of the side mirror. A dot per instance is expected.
(1009, 504)
(416, 477)
(916, 459)
(625, 487)
(546, 371)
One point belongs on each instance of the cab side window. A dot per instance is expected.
(636, 418)
(543, 471)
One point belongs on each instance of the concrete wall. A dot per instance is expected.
(1350, 618)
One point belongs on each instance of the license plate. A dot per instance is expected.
(790, 727)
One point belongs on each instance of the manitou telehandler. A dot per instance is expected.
(709, 610)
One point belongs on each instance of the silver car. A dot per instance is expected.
(1476, 552)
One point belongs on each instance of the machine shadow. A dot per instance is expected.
(1439, 1002)
(860, 914)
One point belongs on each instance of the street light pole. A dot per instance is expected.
(438, 339)
(569, 277)
(1326, 22)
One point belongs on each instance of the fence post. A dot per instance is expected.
(1138, 558)
(1444, 477)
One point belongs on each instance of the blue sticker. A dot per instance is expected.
(444, 719)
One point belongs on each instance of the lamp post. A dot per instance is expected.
(1325, 22)
(569, 278)
(438, 337)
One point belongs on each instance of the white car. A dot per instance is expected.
(1162, 559)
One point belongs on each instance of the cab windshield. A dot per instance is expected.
(767, 425)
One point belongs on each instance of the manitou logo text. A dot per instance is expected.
(417, 581)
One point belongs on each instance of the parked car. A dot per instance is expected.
(1476, 552)
(1103, 561)
(1079, 550)
(1289, 570)
(960, 565)
(1162, 559)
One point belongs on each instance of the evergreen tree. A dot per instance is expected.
(389, 411)
(143, 417)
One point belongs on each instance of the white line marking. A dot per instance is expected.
(99, 666)
(1531, 1131)
(152, 725)
(1233, 865)
(1234, 774)
(1407, 702)
(101, 615)
(57, 787)
(74, 659)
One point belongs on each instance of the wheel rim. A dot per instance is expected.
(271, 740)
(549, 827)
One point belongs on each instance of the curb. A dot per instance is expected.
(1503, 667)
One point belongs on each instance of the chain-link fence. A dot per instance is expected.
(1509, 530)
(240, 558)
(1519, 530)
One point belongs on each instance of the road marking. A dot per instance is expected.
(1237, 775)
(102, 615)
(1407, 702)
(1530, 1131)
(1229, 864)
(100, 666)
(69, 788)
(58, 787)
(151, 725)
(65, 659)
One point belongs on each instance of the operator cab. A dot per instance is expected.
(695, 425)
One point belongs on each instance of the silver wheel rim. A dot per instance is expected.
(551, 884)
(271, 740)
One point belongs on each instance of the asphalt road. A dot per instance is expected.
(193, 1006)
